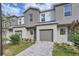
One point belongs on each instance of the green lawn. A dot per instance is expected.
(11, 50)
(65, 50)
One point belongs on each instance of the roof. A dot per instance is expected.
(59, 4)
(12, 16)
(40, 11)
(32, 8)
(20, 16)
(46, 23)
(19, 26)
(61, 22)
(46, 10)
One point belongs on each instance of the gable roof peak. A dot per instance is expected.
(31, 7)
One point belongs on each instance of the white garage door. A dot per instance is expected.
(46, 35)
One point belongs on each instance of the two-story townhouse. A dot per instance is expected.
(49, 25)
(7, 23)
(65, 14)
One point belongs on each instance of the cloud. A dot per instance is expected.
(15, 4)
(16, 9)
(40, 6)
(7, 9)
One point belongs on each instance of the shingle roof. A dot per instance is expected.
(61, 22)
(59, 4)
(32, 8)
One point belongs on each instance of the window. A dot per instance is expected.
(19, 21)
(62, 31)
(30, 16)
(19, 33)
(68, 10)
(31, 32)
(42, 17)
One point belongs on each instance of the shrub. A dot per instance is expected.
(64, 49)
(15, 38)
(5, 39)
(75, 38)
(29, 40)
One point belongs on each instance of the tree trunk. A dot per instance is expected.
(1, 48)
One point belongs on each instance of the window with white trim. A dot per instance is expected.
(62, 31)
(31, 17)
(67, 10)
(19, 21)
(43, 17)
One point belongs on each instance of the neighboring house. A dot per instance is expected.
(7, 23)
(12, 21)
(49, 25)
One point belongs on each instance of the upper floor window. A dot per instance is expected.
(42, 17)
(31, 17)
(19, 21)
(68, 10)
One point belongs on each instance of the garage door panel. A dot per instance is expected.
(46, 35)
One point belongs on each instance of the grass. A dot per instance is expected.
(65, 50)
(11, 50)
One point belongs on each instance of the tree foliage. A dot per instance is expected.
(15, 39)
(75, 37)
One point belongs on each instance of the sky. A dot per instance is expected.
(18, 8)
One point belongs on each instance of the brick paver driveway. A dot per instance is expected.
(42, 48)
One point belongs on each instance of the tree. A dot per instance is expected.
(75, 32)
(15, 38)
(1, 46)
(75, 38)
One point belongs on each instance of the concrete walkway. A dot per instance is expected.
(42, 48)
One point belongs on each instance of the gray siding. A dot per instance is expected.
(59, 13)
(15, 21)
(49, 15)
(11, 21)
(36, 17)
